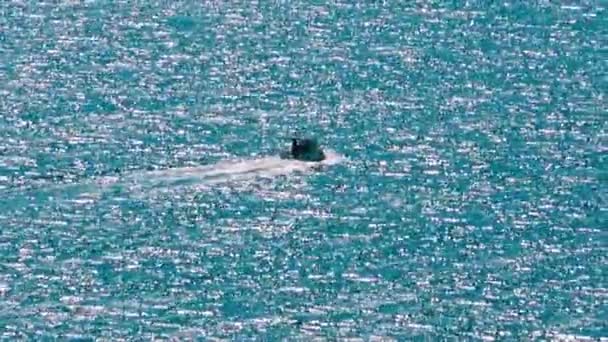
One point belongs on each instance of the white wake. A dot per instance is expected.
(141, 184)
(223, 172)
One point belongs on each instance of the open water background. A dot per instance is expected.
(465, 195)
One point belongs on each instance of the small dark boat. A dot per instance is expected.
(304, 150)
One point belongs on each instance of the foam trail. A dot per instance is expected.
(225, 171)
(142, 183)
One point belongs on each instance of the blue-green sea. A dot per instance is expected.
(464, 195)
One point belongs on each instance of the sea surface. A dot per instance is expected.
(464, 197)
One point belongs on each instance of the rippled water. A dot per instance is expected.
(141, 194)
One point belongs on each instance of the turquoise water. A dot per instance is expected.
(464, 196)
